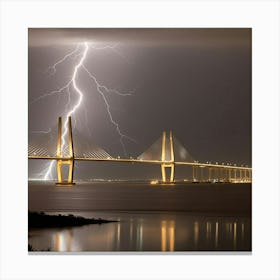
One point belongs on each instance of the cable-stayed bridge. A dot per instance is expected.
(167, 152)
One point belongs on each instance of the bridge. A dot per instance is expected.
(167, 152)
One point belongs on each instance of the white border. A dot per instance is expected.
(17, 16)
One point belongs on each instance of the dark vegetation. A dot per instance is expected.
(32, 249)
(41, 219)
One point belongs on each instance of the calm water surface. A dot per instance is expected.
(176, 217)
(143, 231)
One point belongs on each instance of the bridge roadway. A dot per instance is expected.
(197, 164)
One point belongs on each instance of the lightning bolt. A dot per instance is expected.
(99, 89)
(45, 173)
(52, 69)
(41, 131)
(77, 52)
(77, 89)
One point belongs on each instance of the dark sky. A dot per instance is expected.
(195, 82)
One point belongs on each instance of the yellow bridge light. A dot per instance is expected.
(154, 182)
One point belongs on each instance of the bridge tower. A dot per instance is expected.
(61, 160)
(167, 158)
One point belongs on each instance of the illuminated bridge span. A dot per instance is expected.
(166, 152)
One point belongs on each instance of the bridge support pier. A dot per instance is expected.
(169, 163)
(250, 175)
(68, 161)
(209, 174)
(229, 175)
(240, 175)
(201, 174)
(163, 173)
(193, 173)
(221, 175)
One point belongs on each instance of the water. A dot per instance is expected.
(217, 227)
(148, 232)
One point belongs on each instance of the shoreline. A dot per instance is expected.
(44, 220)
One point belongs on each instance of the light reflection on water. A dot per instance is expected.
(148, 232)
(167, 235)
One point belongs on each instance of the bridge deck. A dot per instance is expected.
(209, 165)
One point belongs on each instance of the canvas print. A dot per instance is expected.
(139, 140)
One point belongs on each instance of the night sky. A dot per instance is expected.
(195, 82)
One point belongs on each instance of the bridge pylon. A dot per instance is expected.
(167, 158)
(61, 159)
